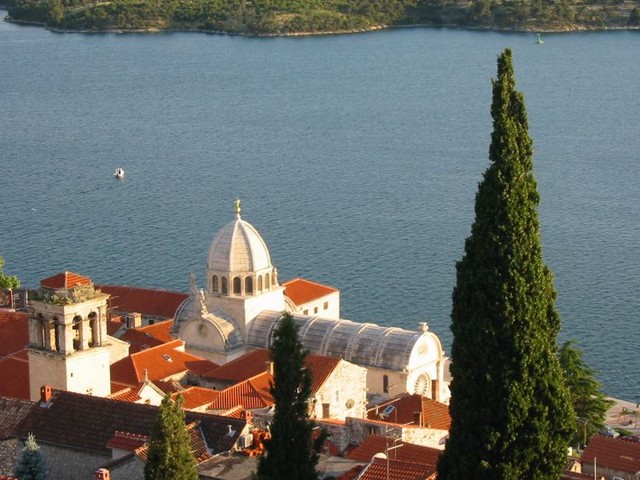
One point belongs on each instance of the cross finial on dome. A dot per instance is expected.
(238, 207)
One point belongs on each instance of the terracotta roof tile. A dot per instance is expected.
(251, 394)
(14, 376)
(127, 441)
(12, 412)
(87, 422)
(380, 469)
(407, 453)
(15, 332)
(255, 363)
(163, 303)
(433, 414)
(4, 477)
(126, 395)
(613, 453)
(65, 280)
(195, 397)
(142, 338)
(160, 362)
(301, 291)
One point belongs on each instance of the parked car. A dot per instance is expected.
(631, 438)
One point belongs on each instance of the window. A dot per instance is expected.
(237, 285)
(214, 283)
(325, 306)
(305, 312)
(260, 283)
(248, 285)
(385, 383)
(224, 285)
(266, 282)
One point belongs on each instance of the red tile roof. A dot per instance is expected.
(160, 362)
(12, 412)
(408, 452)
(15, 332)
(87, 422)
(381, 469)
(433, 414)
(251, 394)
(14, 376)
(148, 336)
(255, 363)
(125, 395)
(163, 303)
(65, 280)
(195, 397)
(613, 453)
(301, 291)
(127, 441)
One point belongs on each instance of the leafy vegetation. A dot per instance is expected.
(8, 282)
(31, 464)
(510, 408)
(291, 452)
(280, 17)
(589, 403)
(169, 456)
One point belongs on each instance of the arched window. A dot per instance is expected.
(385, 383)
(77, 332)
(248, 285)
(41, 333)
(214, 283)
(54, 334)
(94, 339)
(266, 282)
(259, 283)
(224, 285)
(237, 285)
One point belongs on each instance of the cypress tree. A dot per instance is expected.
(511, 416)
(31, 464)
(290, 453)
(170, 456)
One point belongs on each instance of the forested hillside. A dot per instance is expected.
(280, 17)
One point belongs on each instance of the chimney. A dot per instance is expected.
(46, 392)
(102, 474)
(417, 418)
(269, 367)
(135, 320)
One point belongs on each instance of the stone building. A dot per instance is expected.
(242, 302)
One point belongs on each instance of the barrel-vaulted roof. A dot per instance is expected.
(361, 343)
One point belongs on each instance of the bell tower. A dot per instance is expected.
(68, 337)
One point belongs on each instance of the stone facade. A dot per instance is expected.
(344, 394)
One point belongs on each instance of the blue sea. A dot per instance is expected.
(357, 157)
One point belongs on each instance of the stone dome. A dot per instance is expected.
(238, 247)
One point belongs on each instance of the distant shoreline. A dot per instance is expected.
(569, 29)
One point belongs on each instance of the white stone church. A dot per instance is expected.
(240, 307)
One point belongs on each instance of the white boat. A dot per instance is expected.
(539, 40)
(119, 173)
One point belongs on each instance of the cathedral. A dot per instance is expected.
(242, 302)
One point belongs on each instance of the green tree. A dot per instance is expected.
(510, 409)
(170, 456)
(31, 464)
(290, 453)
(589, 403)
(7, 282)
